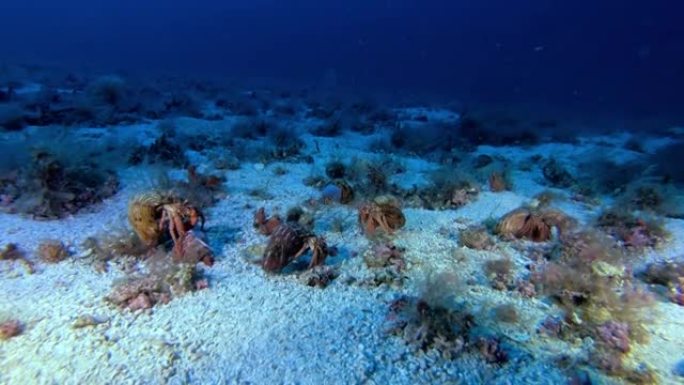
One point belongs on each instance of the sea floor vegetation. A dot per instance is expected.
(209, 233)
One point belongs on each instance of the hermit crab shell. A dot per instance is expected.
(391, 209)
(533, 225)
(144, 217)
(283, 245)
(383, 212)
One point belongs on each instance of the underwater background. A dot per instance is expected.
(584, 57)
(347, 192)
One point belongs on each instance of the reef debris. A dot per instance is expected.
(476, 237)
(12, 252)
(165, 281)
(319, 276)
(631, 231)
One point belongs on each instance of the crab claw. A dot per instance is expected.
(192, 249)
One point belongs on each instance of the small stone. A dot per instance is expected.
(87, 320)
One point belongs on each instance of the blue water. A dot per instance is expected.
(584, 57)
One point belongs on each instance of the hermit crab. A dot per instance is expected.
(532, 224)
(318, 248)
(290, 241)
(178, 218)
(155, 215)
(384, 213)
(265, 225)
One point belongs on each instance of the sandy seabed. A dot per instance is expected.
(250, 327)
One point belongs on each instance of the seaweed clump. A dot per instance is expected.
(12, 252)
(424, 327)
(49, 188)
(448, 190)
(286, 144)
(669, 274)
(668, 161)
(164, 150)
(373, 178)
(631, 231)
(556, 174)
(335, 170)
(499, 272)
(11, 117)
(111, 245)
(588, 281)
(476, 237)
(166, 280)
(429, 327)
(647, 197)
(387, 263)
(53, 251)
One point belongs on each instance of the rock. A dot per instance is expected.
(87, 320)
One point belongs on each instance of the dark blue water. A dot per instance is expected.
(588, 57)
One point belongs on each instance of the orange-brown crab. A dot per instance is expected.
(290, 241)
(153, 214)
(319, 250)
(532, 224)
(383, 213)
(264, 225)
(179, 218)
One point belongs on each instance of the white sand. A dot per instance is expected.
(253, 328)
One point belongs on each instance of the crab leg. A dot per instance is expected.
(315, 256)
(163, 220)
(302, 250)
(177, 230)
(383, 223)
(318, 257)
